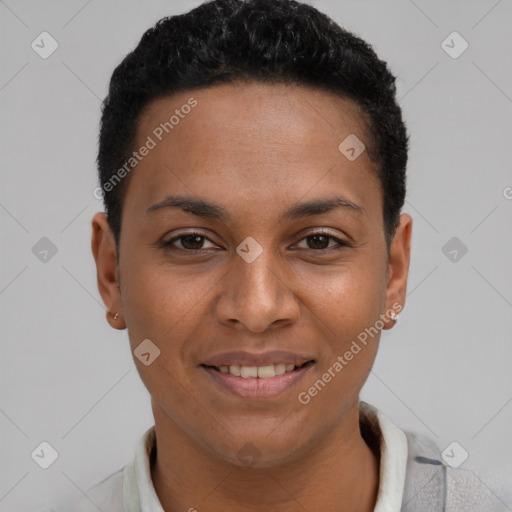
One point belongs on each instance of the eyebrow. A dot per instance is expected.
(209, 210)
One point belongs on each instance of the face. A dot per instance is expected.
(251, 273)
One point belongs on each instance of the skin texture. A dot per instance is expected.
(255, 150)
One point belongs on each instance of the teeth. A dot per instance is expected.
(234, 369)
(248, 371)
(262, 372)
(279, 369)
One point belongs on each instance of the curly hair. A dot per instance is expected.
(267, 41)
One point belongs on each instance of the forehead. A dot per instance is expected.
(278, 113)
(251, 140)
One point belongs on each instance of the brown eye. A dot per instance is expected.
(193, 242)
(320, 241)
(190, 241)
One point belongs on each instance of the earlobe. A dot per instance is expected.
(104, 251)
(398, 266)
(115, 320)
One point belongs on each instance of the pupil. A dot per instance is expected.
(317, 237)
(198, 240)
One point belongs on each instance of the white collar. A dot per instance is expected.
(393, 459)
(139, 492)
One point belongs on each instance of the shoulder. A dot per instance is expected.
(106, 495)
(431, 484)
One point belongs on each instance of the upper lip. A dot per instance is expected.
(243, 358)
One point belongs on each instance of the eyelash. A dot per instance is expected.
(168, 245)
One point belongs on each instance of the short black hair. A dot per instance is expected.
(266, 41)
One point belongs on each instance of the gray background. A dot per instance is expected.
(68, 378)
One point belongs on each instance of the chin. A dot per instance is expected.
(261, 451)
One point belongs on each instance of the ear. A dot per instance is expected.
(398, 266)
(104, 251)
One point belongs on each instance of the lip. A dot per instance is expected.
(244, 358)
(257, 388)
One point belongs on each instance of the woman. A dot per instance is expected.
(252, 161)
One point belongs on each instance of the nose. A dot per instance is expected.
(258, 296)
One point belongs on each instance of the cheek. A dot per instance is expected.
(158, 300)
(166, 306)
(345, 312)
(161, 307)
(348, 296)
(345, 303)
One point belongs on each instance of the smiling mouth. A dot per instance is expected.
(259, 372)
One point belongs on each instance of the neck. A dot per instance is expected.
(340, 473)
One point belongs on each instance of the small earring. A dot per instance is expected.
(115, 316)
(394, 317)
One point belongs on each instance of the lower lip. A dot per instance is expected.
(256, 388)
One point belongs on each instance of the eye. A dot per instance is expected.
(189, 241)
(320, 241)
